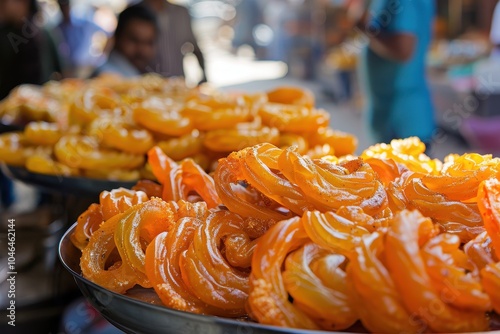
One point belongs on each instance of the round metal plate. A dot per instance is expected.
(135, 316)
(10, 127)
(68, 185)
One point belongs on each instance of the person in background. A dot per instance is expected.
(135, 43)
(248, 16)
(27, 56)
(75, 41)
(393, 67)
(27, 51)
(176, 37)
(495, 32)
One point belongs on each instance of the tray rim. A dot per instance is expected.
(174, 312)
(51, 182)
(203, 319)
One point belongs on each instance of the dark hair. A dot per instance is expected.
(135, 12)
(33, 7)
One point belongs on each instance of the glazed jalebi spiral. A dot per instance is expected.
(242, 198)
(396, 241)
(328, 186)
(43, 163)
(212, 113)
(84, 152)
(88, 222)
(163, 116)
(162, 267)
(128, 116)
(291, 95)
(121, 135)
(409, 232)
(268, 297)
(378, 303)
(293, 118)
(142, 223)
(316, 280)
(205, 271)
(119, 200)
(42, 133)
(179, 181)
(227, 140)
(489, 205)
(93, 102)
(119, 276)
(182, 147)
(409, 152)
(13, 149)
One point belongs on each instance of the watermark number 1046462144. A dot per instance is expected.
(11, 273)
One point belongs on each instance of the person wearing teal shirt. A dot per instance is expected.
(393, 69)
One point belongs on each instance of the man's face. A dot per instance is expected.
(137, 43)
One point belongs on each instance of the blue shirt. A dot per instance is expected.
(399, 101)
(76, 40)
(117, 64)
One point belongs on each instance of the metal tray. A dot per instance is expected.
(10, 127)
(135, 316)
(67, 185)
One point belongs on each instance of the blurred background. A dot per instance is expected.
(255, 45)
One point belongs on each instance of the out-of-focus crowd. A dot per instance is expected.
(149, 36)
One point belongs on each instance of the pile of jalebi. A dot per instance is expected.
(102, 128)
(391, 239)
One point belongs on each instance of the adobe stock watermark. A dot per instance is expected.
(455, 116)
(29, 30)
(11, 273)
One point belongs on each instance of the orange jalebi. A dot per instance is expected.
(308, 243)
(151, 188)
(85, 152)
(291, 95)
(268, 298)
(180, 180)
(118, 276)
(88, 222)
(207, 274)
(163, 116)
(316, 281)
(455, 217)
(183, 147)
(409, 152)
(227, 140)
(328, 186)
(293, 118)
(409, 232)
(119, 200)
(480, 252)
(42, 133)
(259, 167)
(162, 267)
(42, 163)
(13, 149)
(333, 232)
(241, 198)
(378, 303)
(342, 143)
(121, 135)
(214, 113)
(142, 223)
(489, 205)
